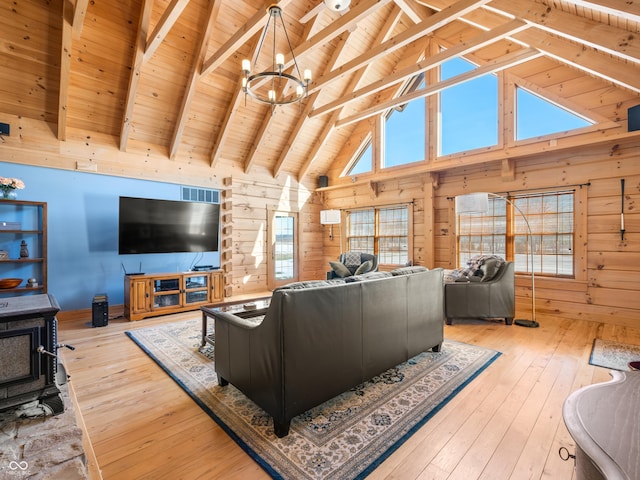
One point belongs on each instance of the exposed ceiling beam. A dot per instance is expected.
(619, 8)
(474, 43)
(65, 69)
(416, 15)
(413, 33)
(232, 109)
(194, 75)
(134, 78)
(593, 62)
(329, 126)
(506, 61)
(241, 37)
(79, 12)
(617, 42)
(345, 22)
(168, 19)
(587, 60)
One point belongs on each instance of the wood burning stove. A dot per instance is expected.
(28, 351)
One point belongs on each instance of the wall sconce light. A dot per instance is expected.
(330, 217)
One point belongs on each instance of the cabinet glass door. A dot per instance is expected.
(196, 289)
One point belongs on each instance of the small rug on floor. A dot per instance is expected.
(614, 355)
(346, 437)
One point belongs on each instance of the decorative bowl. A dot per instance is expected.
(10, 282)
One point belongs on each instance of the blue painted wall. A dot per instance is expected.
(83, 232)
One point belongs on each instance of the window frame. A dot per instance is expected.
(512, 217)
(377, 234)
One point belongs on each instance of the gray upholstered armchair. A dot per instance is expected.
(477, 299)
(353, 263)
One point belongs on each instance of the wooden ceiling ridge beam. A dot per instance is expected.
(194, 76)
(610, 39)
(134, 78)
(437, 20)
(479, 41)
(496, 65)
(353, 83)
(241, 37)
(79, 12)
(232, 109)
(167, 21)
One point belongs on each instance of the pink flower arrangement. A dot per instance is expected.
(8, 187)
(11, 183)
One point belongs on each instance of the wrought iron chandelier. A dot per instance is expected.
(270, 87)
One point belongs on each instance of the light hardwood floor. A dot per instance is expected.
(506, 424)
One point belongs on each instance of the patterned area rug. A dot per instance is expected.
(614, 355)
(344, 438)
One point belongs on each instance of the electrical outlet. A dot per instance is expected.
(4, 129)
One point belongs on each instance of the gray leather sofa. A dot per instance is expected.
(317, 342)
(491, 299)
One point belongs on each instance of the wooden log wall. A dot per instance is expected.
(253, 200)
(605, 287)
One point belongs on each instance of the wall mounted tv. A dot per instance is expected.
(166, 226)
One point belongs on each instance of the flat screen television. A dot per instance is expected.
(167, 226)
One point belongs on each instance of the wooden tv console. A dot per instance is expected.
(163, 293)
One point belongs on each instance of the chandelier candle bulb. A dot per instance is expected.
(254, 83)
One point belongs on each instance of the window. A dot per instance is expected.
(383, 231)
(503, 231)
(531, 108)
(404, 129)
(483, 234)
(364, 160)
(470, 107)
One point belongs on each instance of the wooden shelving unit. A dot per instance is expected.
(30, 218)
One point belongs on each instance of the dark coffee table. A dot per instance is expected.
(249, 307)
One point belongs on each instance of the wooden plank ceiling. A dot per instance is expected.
(167, 73)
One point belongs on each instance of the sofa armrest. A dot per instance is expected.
(248, 323)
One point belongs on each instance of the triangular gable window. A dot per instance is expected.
(364, 162)
(536, 116)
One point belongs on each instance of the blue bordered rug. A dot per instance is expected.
(346, 437)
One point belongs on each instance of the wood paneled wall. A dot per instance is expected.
(606, 286)
(252, 200)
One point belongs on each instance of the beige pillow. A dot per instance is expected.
(340, 269)
(364, 267)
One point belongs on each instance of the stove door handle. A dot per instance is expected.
(41, 350)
